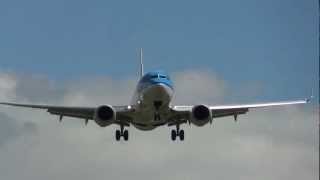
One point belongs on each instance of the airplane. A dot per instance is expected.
(151, 107)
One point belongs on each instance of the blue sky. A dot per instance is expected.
(270, 43)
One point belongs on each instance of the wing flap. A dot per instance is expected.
(228, 112)
(85, 113)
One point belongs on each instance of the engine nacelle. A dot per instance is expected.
(104, 115)
(201, 115)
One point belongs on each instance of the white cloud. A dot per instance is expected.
(7, 86)
(198, 87)
(278, 143)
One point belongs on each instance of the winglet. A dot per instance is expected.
(141, 63)
(311, 97)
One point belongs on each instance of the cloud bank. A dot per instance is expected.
(279, 143)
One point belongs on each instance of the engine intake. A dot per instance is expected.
(201, 115)
(105, 115)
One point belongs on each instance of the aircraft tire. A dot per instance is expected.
(118, 135)
(126, 135)
(173, 135)
(181, 135)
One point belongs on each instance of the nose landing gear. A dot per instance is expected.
(157, 105)
(157, 116)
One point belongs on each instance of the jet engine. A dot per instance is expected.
(104, 115)
(201, 115)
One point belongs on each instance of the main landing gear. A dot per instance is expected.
(122, 133)
(177, 132)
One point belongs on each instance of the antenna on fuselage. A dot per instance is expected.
(141, 63)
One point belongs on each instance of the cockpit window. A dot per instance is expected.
(157, 76)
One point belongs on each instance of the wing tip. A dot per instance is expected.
(308, 100)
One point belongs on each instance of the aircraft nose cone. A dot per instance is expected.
(162, 82)
(159, 89)
(159, 92)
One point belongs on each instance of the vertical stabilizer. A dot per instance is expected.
(141, 63)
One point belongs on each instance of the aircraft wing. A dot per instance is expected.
(182, 113)
(86, 113)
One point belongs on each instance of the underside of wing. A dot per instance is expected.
(118, 114)
(234, 110)
(77, 112)
(260, 105)
(189, 113)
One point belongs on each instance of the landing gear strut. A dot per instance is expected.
(177, 132)
(157, 116)
(157, 105)
(123, 133)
